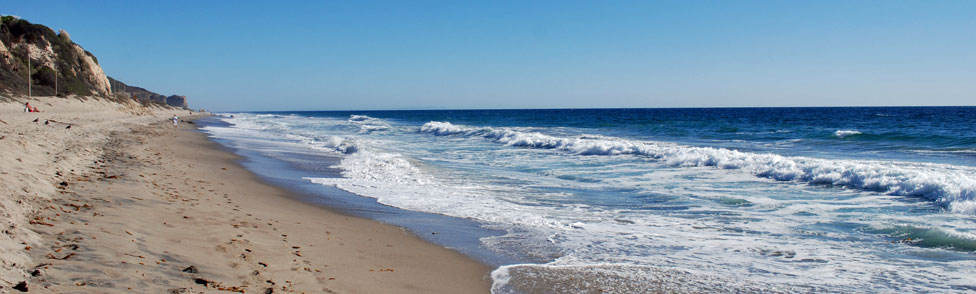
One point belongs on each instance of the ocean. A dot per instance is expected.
(773, 200)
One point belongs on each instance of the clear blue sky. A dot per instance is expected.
(324, 55)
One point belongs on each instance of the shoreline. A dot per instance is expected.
(292, 173)
(168, 210)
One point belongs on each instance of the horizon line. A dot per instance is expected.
(601, 108)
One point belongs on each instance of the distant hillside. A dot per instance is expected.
(144, 95)
(58, 66)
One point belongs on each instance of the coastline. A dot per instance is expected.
(159, 209)
(291, 169)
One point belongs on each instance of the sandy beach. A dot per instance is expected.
(123, 202)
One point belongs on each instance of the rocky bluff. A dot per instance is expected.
(59, 66)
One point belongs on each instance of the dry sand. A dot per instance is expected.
(122, 202)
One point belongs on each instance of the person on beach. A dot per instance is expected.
(27, 107)
(176, 120)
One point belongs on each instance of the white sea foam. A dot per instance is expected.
(963, 151)
(846, 133)
(355, 117)
(616, 278)
(590, 239)
(285, 128)
(952, 186)
(394, 180)
(441, 128)
(368, 124)
(726, 220)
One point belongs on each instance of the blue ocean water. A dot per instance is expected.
(867, 199)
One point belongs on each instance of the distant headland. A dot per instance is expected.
(57, 66)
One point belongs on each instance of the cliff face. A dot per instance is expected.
(177, 101)
(59, 67)
(55, 61)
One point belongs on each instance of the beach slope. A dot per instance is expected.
(124, 202)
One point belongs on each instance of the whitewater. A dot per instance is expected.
(748, 200)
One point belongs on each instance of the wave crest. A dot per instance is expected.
(368, 124)
(951, 186)
(846, 133)
(441, 128)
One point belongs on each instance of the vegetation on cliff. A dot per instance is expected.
(59, 67)
(56, 61)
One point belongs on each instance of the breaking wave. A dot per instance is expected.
(283, 127)
(368, 124)
(846, 133)
(954, 187)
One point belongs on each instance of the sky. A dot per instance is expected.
(368, 55)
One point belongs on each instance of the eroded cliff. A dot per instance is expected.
(57, 66)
